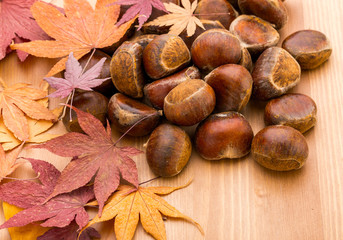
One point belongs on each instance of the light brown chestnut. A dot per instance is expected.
(223, 135)
(294, 109)
(275, 72)
(208, 24)
(254, 33)
(273, 11)
(215, 47)
(309, 47)
(232, 85)
(189, 102)
(144, 40)
(92, 102)
(246, 60)
(127, 70)
(156, 91)
(165, 55)
(168, 150)
(124, 112)
(279, 148)
(219, 10)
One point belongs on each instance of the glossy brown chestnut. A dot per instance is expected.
(189, 102)
(279, 148)
(215, 47)
(232, 85)
(124, 112)
(254, 33)
(144, 40)
(310, 48)
(168, 150)
(156, 91)
(275, 72)
(219, 10)
(246, 60)
(127, 70)
(223, 135)
(208, 24)
(165, 55)
(273, 11)
(294, 109)
(92, 102)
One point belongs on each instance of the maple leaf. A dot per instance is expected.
(18, 25)
(96, 155)
(80, 30)
(141, 7)
(8, 161)
(128, 205)
(69, 233)
(179, 18)
(28, 232)
(75, 78)
(25, 193)
(57, 212)
(17, 100)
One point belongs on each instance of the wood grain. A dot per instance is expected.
(238, 199)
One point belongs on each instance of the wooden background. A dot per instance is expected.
(238, 199)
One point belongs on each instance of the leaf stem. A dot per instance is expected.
(65, 107)
(71, 104)
(149, 180)
(89, 59)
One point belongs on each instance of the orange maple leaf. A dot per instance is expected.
(8, 161)
(129, 204)
(80, 30)
(17, 100)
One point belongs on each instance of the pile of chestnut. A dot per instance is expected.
(167, 82)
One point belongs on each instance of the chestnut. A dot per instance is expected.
(208, 9)
(246, 60)
(189, 102)
(215, 47)
(92, 102)
(168, 150)
(127, 70)
(309, 47)
(156, 91)
(280, 148)
(223, 135)
(165, 55)
(124, 112)
(254, 33)
(232, 85)
(144, 40)
(273, 11)
(275, 72)
(294, 109)
(208, 24)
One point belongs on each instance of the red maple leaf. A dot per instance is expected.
(59, 211)
(69, 232)
(18, 25)
(141, 7)
(96, 155)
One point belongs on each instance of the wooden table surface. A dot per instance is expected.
(238, 199)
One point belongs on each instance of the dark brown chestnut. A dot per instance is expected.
(164, 55)
(168, 150)
(279, 148)
(275, 72)
(223, 135)
(309, 47)
(294, 109)
(92, 102)
(124, 112)
(189, 102)
(215, 47)
(232, 85)
(156, 91)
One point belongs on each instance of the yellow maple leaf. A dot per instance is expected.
(129, 204)
(179, 18)
(28, 232)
